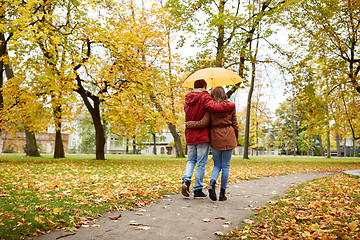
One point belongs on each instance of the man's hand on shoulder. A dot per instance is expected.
(231, 106)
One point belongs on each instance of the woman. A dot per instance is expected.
(224, 130)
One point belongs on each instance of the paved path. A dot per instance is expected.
(355, 172)
(176, 217)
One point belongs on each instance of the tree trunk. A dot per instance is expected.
(172, 128)
(294, 127)
(257, 138)
(134, 146)
(59, 148)
(247, 123)
(338, 145)
(31, 148)
(328, 144)
(8, 71)
(100, 137)
(96, 117)
(4, 142)
(127, 146)
(154, 137)
(354, 149)
(321, 146)
(344, 147)
(251, 90)
(221, 37)
(2, 68)
(177, 140)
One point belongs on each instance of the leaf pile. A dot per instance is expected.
(326, 208)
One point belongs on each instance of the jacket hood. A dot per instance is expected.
(194, 96)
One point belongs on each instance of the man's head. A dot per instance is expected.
(200, 83)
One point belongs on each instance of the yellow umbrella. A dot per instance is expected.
(214, 77)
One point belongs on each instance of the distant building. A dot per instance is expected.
(271, 151)
(164, 146)
(16, 142)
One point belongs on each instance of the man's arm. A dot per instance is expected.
(213, 106)
(203, 123)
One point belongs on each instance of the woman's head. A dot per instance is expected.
(219, 95)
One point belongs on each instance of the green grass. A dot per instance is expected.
(42, 194)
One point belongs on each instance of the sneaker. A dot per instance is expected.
(185, 188)
(199, 194)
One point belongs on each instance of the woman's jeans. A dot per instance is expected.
(221, 163)
(197, 154)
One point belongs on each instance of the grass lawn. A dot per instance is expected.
(38, 195)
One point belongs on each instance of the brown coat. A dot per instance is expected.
(224, 129)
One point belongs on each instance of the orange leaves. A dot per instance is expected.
(324, 208)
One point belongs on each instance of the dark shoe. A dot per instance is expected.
(199, 194)
(185, 188)
(222, 196)
(212, 193)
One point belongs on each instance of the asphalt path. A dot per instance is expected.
(176, 217)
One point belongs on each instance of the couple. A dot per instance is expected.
(215, 116)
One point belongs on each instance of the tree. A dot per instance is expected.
(51, 67)
(10, 13)
(147, 91)
(284, 126)
(231, 28)
(329, 32)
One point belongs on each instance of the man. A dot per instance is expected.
(197, 140)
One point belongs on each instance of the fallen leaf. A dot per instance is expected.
(56, 210)
(115, 218)
(353, 225)
(218, 233)
(220, 218)
(248, 221)
(206, 220)
(143, 228)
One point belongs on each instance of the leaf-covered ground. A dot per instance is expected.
(38, 195)
(325, 208)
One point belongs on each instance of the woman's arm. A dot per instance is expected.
(203, 123)
(235, 124)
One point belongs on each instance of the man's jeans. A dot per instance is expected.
(221, 162)
(197, 154)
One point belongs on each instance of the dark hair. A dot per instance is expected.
(219, 95)
(200, 83)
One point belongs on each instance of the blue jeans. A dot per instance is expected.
(197, 154)
(221, 163)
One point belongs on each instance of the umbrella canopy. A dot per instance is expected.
(214, 77)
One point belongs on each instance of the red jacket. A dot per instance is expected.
(196, 102)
